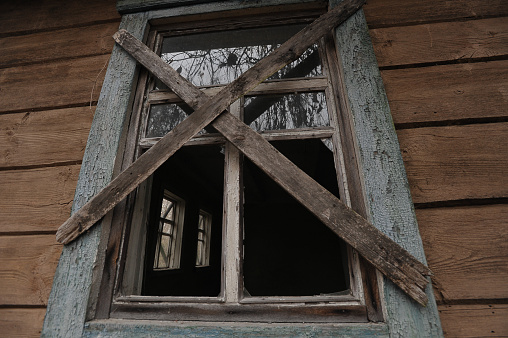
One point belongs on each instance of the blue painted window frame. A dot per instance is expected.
(385, 186)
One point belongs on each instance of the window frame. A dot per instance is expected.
(375, 147)
(355, 307)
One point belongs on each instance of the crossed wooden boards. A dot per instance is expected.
(386, 255)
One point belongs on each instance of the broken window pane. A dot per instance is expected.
(287, 250)
(215, 58)
(274, 112)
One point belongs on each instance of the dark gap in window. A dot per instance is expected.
(287, 250)
(195, 175)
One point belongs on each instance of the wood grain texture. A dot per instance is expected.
(474, 320)
(439, 42)
(25, 16)
(448, 92)
(60, 44)
(44, 137)
(126, 328)
(21, 322)
(464, 265)
(396, 13)
(456, 162)
(62, 83)
(72, 293)
(384, 179)
(36, 199)
(27, 265)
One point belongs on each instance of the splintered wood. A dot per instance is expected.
(391, 259)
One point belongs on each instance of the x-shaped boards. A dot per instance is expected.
(386, 255)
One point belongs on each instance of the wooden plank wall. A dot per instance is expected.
(445, 68)
(53, 57)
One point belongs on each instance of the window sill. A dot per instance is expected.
(136, 328)
(235, 313)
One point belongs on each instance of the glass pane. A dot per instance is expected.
(167, 228)
(163, 118)
(274, 112)
(167, 209)
(220, 57)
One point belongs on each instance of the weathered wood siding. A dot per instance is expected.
(53, 57)
(445, 68)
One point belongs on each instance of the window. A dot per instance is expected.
(83, 293)
(255, 245)
(169, 233)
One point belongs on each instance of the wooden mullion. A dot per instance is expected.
(233, 220)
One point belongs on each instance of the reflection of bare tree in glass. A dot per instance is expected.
(288, 111)
(221, 66)
(224, 65)
(163, 118)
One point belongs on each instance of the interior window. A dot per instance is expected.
(169, 234)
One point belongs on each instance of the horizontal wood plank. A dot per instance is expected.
(21, 322)
(27, 266)
(65, 43)
(62, 83)
(36, 199)
(44, 137)
(456, 162)
(474, 320)
(440, 42)
(23, 16)
(464, 266)
(448, 92)
(397, 13)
